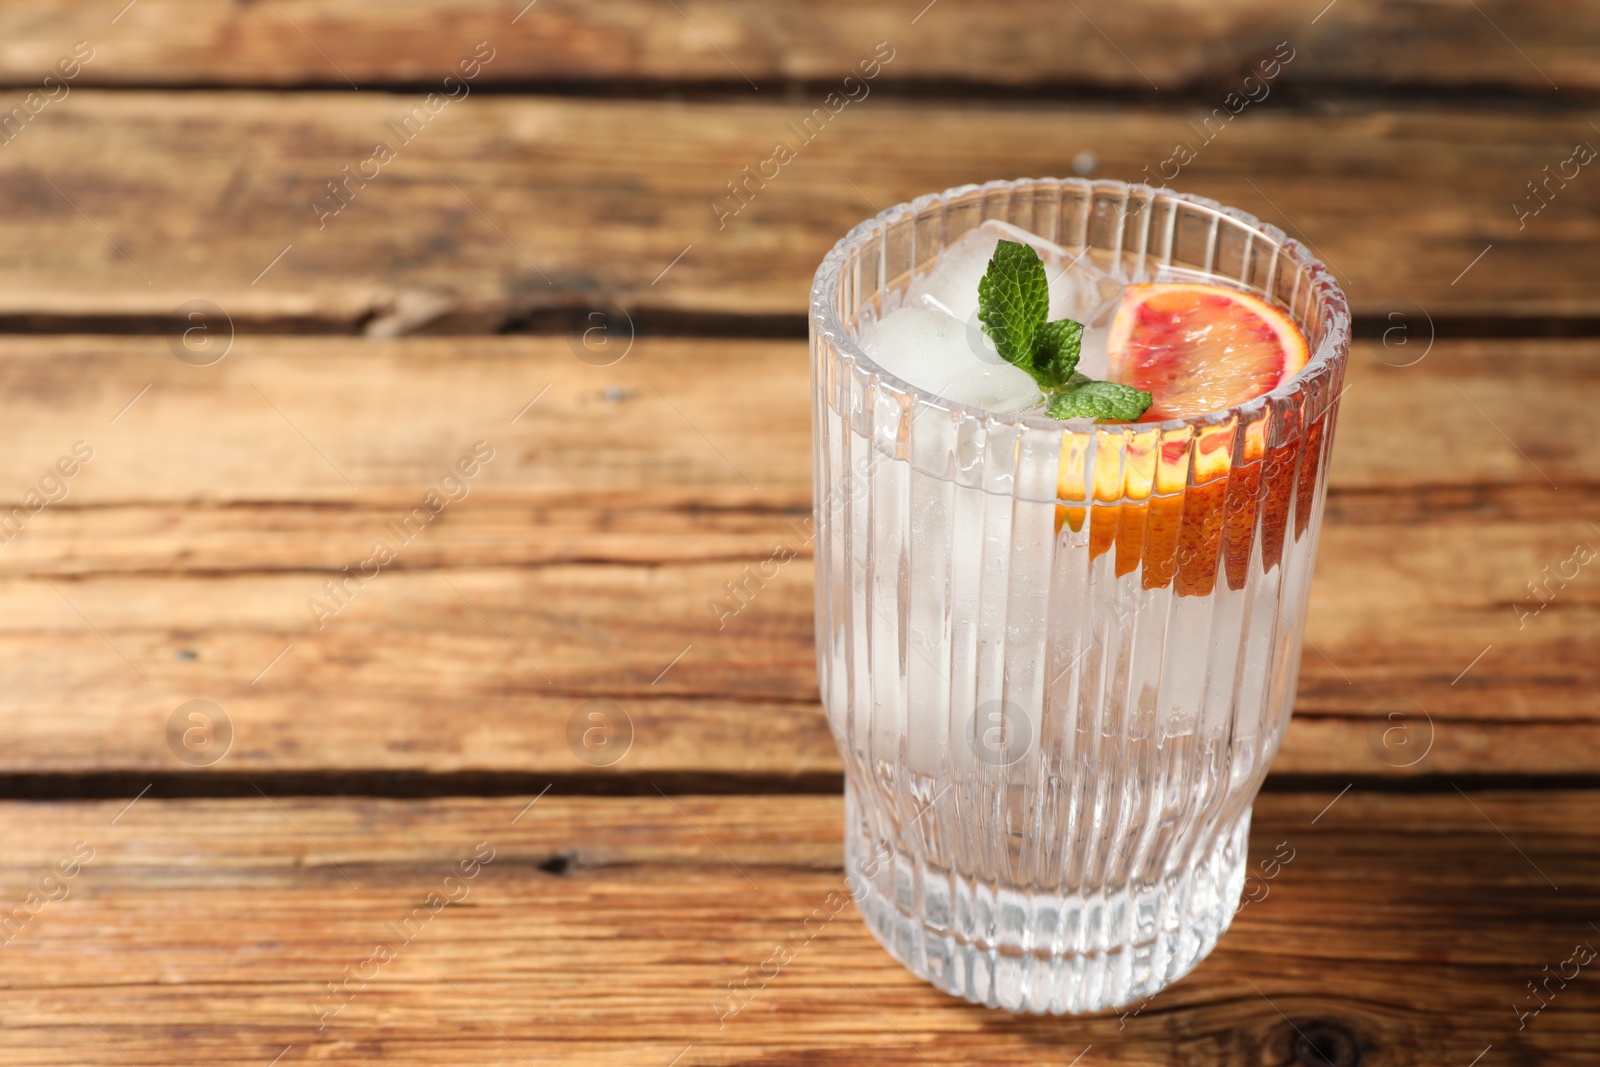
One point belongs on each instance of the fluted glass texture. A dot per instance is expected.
(1058, 658)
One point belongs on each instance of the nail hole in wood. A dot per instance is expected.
(560, 863)
(1322, 1043)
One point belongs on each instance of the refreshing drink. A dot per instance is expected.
(1058, 655)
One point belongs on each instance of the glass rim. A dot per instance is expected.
(826, 325)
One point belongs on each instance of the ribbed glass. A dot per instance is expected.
(1058, 658)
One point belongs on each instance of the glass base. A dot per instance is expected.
(1010, 947)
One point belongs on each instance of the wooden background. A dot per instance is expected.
(1438, 785)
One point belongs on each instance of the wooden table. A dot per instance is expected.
(401, 857)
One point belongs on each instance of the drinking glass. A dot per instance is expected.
(1058, 658)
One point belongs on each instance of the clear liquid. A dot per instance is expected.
(1050, 766)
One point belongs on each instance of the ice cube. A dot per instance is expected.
(941, 355)
(1092, 357)
(1078, 290)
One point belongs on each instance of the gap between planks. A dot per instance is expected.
(69, 787)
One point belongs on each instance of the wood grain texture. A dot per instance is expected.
(583, 562)
(1474, 429)
(500, 210)
(603, 930)
(1169, 44)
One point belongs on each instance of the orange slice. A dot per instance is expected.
(1200, 348)
(1197, 349)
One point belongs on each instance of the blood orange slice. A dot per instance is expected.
(1200, 348)
(1185, 521)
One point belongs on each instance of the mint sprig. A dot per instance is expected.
(1013, 304)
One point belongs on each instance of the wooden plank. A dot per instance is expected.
(462, 667)
(1139, 45)
(582, 563)
(500, 210)
(1475, 429)
(602, 931)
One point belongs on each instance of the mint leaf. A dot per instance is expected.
(1013, 300)
(1055, 351)
(1085, 398)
